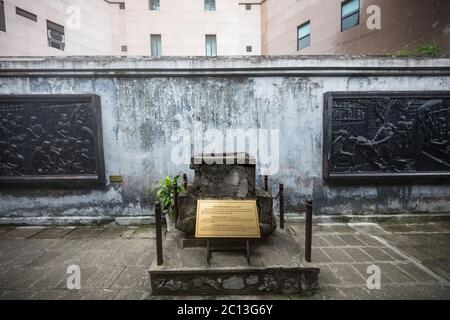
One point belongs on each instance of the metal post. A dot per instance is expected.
(159, 252)
(281, 193)
(185, 181)
(266, 183)
(308, 230)
(175, 201)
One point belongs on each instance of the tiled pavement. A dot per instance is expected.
(414, 260)
(113, 260)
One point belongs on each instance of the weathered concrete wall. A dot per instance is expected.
(145, 102)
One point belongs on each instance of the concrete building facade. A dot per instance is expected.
(102, 27)
(97, 34)
(378, 27)
(221, 27)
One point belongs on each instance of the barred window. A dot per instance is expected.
(55, 35)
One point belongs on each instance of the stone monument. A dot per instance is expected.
(185, 266)
(226, 177)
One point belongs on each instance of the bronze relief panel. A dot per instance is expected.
(51, 139)
(386, 135)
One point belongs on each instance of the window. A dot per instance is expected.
(304, 36)
(349, 14)
(155, 41)
(2, 17)
(210, 5)
(26, 14)
(124, 48)
(153, 4)
(248, 6)
(55, 35)
(211, 45)
(249, 49)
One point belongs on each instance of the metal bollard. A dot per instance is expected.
(308, 230)
(281, 193)
(175, 201)
(159, 250)
(185, 181)
(266, 183)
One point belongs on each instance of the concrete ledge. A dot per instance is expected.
(290, 217)
(400, 218)
(61, 221)
(277, 268)
(143, 66)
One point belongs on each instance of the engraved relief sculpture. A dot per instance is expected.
(42, 137)
(389, 134)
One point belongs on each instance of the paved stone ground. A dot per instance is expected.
(414, 260)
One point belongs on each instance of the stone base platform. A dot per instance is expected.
(277, 267)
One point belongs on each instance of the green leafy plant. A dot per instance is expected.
(422, 50)
(403, 53)
(164, 193)
(428, 50)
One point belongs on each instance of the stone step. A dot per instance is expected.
(275, 268)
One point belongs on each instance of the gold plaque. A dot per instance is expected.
(227, 219)
(115, 179)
